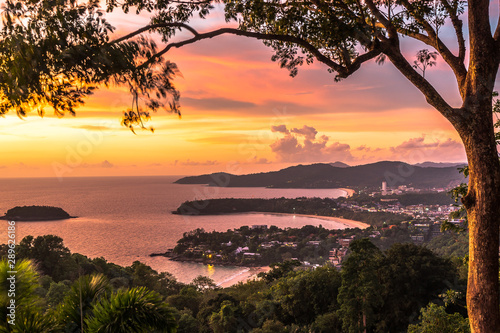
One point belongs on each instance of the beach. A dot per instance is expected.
(247, 274)
(350, 192)
(347, 223)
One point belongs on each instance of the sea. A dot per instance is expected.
(124, 219)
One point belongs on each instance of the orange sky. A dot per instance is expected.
(240, 113)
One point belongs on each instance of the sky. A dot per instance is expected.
(241, 113)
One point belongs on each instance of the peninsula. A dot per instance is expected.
(316, 207)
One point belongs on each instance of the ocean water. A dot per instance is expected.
(124, 219)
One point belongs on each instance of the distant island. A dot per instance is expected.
(35, 213)
(428, 176)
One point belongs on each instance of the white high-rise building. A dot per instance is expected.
(384, 188)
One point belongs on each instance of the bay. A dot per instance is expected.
(124, 219)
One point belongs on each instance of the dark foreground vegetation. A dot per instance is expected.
(405, 287)
(35, 213)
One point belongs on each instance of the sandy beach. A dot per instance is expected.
(347, 223)
(350, 192)
(247, 274)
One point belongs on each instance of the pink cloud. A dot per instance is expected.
(301, 145)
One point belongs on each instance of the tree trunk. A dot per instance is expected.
(483, 209)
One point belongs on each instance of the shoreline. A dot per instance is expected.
(349, 191)
(250, 273)
(341, 220)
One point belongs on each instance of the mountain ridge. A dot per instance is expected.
(322, 175)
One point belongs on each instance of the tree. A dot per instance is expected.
(56, 53)
(306, 294)
(50, 254)
(27, 314)
(434, 319)
(359, 296)
(89, 306)
(411, 276)
(133, 310)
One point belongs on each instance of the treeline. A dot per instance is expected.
(308, 206)
(406, 287)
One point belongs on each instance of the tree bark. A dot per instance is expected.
(483, 209)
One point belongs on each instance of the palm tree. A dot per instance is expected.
(79, 302)
(28, 306)
(91, 306)
(135, 310)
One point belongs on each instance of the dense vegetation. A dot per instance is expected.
(384, 290)
(36, 213)
(328, 176)
(311, 206)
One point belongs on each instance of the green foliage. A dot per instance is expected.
(383, 291)
(327, 323)
(359, 296)
(50, 254)
(203, 283)
(57, 292)
(225, 320)
(450, 244)
(279, 270)
(187, 323)
(304, 295)
(134, 310)
(21, 287)
(434, 319)
(410, 276)
(144, 276)
(54, 54)
(380, 290)
(79, 302)
(271, 326)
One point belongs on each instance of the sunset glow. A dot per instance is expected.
(232, 96)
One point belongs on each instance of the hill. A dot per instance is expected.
(328, 176)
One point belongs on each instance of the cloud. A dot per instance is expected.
(279, 129)
(307, 131)
(188, 162)
(104, 164)
(421, 149)
(217, 103)
(301, 145)
(96, 127)
(420, 143)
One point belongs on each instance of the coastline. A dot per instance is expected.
(346, 222)
(250, 273)
(349, 191)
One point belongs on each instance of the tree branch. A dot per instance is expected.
(431, 95)
(432, 39)
(458, 26)
(391, 30)
(343, 71)
(153, 27)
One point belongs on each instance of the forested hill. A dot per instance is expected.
(328, 176)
